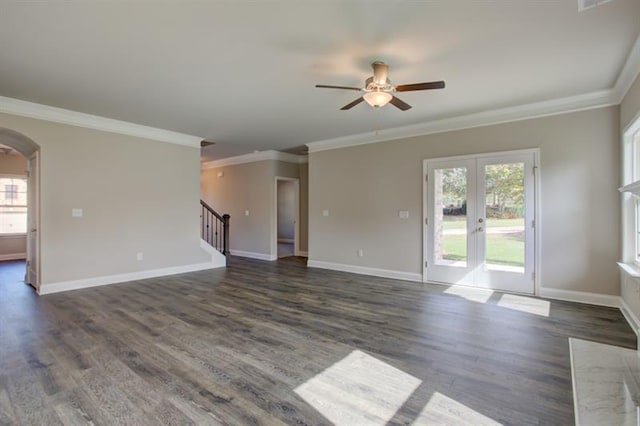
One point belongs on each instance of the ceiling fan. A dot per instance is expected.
(379, 90)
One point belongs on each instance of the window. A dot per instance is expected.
(631, 199)
(13, 205)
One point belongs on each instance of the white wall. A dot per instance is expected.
(364, 187)
(138, 195)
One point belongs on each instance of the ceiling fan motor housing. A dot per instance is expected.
(371, 86)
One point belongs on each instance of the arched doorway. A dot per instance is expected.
(31, 151)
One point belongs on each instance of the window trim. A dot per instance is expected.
(631, 195)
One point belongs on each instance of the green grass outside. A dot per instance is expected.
(459, 222)
(502, 249)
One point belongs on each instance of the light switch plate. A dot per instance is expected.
(246, 212)
(76, 212)
(325, 213)
(403, 214)
(220, 174)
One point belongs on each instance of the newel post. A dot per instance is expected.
(225, 249)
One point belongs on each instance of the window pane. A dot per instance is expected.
(13, 205)
(13, 220)
(504, 211)
(13, 192)
(637, 214)
(450, 225)
(635, 166)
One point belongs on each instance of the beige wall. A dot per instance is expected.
(13, 247)
(137, 195)
(250, 186)
(286, 210)
(630, 106)
(13, 164)
(243, 187)
(364, 187)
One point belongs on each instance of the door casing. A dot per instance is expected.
(537, 266)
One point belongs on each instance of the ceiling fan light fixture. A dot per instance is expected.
(377, 99)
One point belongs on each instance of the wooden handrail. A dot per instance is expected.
(214, 228)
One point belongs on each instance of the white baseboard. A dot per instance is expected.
(580, 297)
(364, 270)
(253, 255)
(302, 253)
(13, 256)
(631, 318)
(121, 278)
(286, 240)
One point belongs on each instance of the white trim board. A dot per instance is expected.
(631, 318)
(254, 157)
(13, 256)
(364, 270)
(122, 278)
(302, 253)
(629, 72)
(80, 119)
(587, 101)
(580, 297)
(253, 255)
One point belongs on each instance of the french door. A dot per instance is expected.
(479, 216)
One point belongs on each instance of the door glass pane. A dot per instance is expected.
(450, 224)
(504, 210)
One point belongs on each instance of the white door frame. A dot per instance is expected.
(296, 225)
(536, 199)
(33, 220)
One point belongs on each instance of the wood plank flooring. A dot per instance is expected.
(250, 343)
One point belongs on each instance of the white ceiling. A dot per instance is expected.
(241, 73)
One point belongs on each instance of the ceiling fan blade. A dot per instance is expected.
(380, 72)
(326, 86)
(352, 104)
(420, 86)
(399, 104)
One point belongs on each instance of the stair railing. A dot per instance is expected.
(214, 228)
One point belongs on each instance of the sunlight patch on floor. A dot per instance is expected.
(359, 389)
(442, 410)
(473, 294)
(526, 304)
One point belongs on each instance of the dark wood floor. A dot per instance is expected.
(232, 346)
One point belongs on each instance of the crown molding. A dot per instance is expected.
(74, 118)
(487, 118)
(629, 72)
(254, 157)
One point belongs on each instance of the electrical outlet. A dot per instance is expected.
(360, 253)
(140, 256)
(246, 212)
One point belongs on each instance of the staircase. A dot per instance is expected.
(214, 228)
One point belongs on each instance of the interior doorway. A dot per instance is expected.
(19, 206)
(287, 210)
(480, 221)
